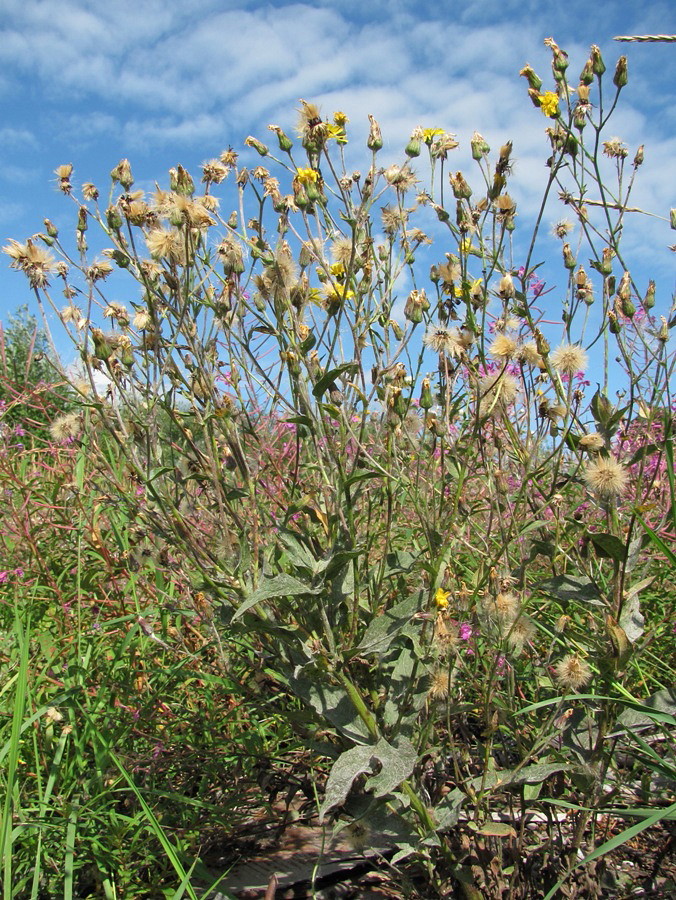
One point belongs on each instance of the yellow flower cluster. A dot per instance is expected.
(549, 104)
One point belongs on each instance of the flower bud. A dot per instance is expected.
(285, 142)
(181, 182)
(605, 267)
(397, 329)
(569, 260)
(426, 399)
(596, 60)
(534, 97)
(82, 219)
(587, 73)
(461, 190)
(534, 81)
(122, 174)
(649, 299)
(613, 322)
(663, 335)
(506, 287)
(638, 159)
(672, 218)
(559, 58)
(621, 76)
(259, 147)
(300, 197)
(374, 141)
(102, 347)
(416, 304)
(413, 147)
(479, 147)
(120, 259)
(541, 343)
(626, 304)
(51, 228)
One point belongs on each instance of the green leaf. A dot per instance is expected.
(448, 811)
(278, 586)
(385, 627)
(396, 764)
(572, 587)
(332, 375)
(631, 620)
(608, 546)
(331, 703)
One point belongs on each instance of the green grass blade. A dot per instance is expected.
(12, 750)
(157, 829)
(614, 842)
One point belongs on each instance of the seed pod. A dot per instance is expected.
(621, 76)
(649, 299)
(461, 190)
(596, 60)
(374, 141)
(426, 399)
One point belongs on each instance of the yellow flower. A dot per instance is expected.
(307, 176)
(441, 598)
(340, 119)
(337, 132)
(337, 270)
(549, 104)
(428, 134)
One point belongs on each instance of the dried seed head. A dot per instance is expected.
(142, 319)
(504, 347)
(342, 251)
(592, 441)
(166, 243)
(446, 341)
(99, 269)
(497, 391)
(66, 427)
(214, 171)
(440, 684)
(33, 260)
(400, 177)
(572, 672)
(568, 359)
(394, 218)
(505, 606)
(528, 353)
(615, 149)
(63, 173)
(606, 477)
(506, 287)
(521, 633)
(118, 312)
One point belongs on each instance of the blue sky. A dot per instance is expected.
(164, 82)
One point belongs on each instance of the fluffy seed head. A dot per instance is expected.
(66, 427)
(504, 347)
(592, 441)
(568, 359)
(572, 672)
(606, 477)
(444, 340)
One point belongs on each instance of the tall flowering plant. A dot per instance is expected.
(409, 497)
